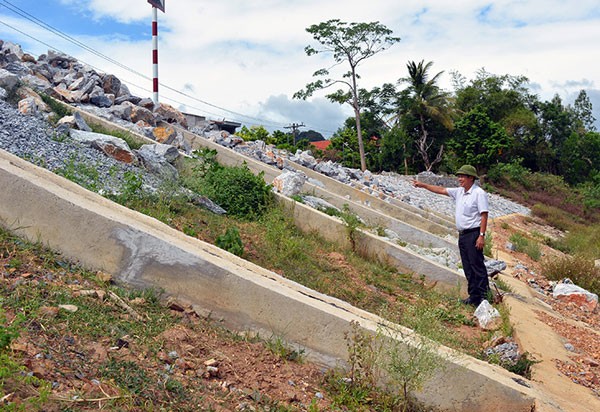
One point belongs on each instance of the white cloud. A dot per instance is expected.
(320, 114)
(119, 10)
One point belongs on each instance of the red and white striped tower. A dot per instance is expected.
(155, 56)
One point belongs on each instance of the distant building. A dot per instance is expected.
(321, 144)
(194, 120)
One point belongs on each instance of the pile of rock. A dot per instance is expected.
(24, 78)
(64, 78)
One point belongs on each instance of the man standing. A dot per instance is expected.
(471, 216)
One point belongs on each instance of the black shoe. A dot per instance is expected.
(470, 301)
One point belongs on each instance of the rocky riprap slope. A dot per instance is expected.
(64, 148)
(64, 78)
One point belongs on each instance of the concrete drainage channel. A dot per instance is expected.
(143, 252)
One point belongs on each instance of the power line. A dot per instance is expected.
(78, 43)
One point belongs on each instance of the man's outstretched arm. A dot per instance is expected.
(432, 188)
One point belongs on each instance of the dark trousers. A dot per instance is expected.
(472, 261)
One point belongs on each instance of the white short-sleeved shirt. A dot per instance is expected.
(469, 206)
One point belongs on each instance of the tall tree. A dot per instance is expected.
(557, 123)
(580, 159)
(350, 43)
(478, 140)
(584, 111)
(427, 102)
(507, 101)
(499, 95)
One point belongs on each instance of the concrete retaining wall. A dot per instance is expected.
(311, 220)
(371, 246)
(143, 252)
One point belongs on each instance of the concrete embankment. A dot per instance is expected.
(144, 252)
(312, 221)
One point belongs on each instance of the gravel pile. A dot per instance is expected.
(423, 199)
(35, 140)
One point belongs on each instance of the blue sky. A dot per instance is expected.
(243, 60)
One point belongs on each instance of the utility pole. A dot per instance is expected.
(294, 127)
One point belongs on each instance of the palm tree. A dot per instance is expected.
(427, 102)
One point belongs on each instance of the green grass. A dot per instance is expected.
(59, 109)
(271, 240)
(528, 246)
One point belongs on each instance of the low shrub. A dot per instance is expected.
(529, 247)
(555, 216)
(509, 174)
(580, 270)
(241, 193)
(60, 109)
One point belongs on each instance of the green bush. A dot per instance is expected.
(60, 109)
(204, 159)
(231, 241)
(591, 193)
(241, 193)
(509, 172)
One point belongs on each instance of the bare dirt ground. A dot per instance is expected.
(563, 337)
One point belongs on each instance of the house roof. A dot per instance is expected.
(321, 144)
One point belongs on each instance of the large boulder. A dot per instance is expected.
(57, 59)
(101, 101)
(18, 68)
(44, 70)
(28, 106)
(146, 103)
(164, 134)
(8, 80)
(171, 115)
(10, 52)
(67, 95)
(110, 145)
(38, 82)
(122, 111)
(155, 158)
(569, 292)
(289, 183)
(111, 84)
(139, 113)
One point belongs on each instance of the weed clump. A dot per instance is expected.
(580, 270)
(59, 109)
(231, 241)
(527, 246)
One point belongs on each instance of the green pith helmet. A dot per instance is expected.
(467, 170)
